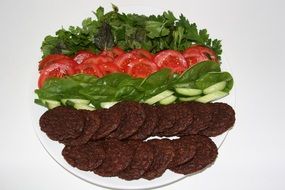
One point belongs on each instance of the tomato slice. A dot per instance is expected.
(141, 68)
(50, 59)
(82, 56)
(107, 68)
(198, 53)
(56, 70)
(113, 53)
(124, 60)
(171, 59)
(90, 65)
(142, 53)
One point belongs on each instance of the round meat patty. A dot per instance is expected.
(223, 118)
(62, 123)
(92, 124)
(149, 124)
(163, 155)
(110, 120)
(183, 150)
(202, 115)
(85, 157)
(118, 157)
(142, 159)
(132, 119)
(206, 153)
(183, 119)
(166, 119)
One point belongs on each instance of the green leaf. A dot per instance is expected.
(156, 29)
(129, 31)
(84, 80)
(158, 78)
(99, 13)
(213, 78)
(115, 8)
(113, 79)
(178, 35)
(169, 16)
(198, 71)
(104, 39)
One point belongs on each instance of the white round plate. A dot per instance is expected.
(54, 148)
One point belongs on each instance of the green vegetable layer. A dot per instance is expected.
(129, 31)
(118, 86)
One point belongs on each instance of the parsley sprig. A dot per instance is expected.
(129, 31)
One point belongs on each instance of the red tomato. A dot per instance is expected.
(51, 59)
(141, 53)
(82, 56)
(56, 70)
(90, 65)
(113, 53)
(124, 60)
(141, 68)
(198, 53)
(171, 59)
(107, 68)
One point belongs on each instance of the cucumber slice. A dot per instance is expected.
(51, 103)
(189, 99)
(107, 104)
(211, 97)
(188, 91)
(182, 85)
(83, 107)
(159, 97)
(215, 87)
(168, 100)
(75, 101)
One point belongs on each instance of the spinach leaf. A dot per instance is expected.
(215, 77)
(195, 72)
(130, 89)
(154, 91)
(98, 93)
(157, 82)
(84, 80)
(157, 79)
(56, 89)
(113, 79)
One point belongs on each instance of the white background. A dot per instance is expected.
(253, 34)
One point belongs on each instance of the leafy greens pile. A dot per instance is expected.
(119, 86)
(129, 31)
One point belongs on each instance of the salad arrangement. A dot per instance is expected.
(115, 57)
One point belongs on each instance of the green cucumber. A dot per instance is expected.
(188, 91)
(215, 87)
(75, 101)
(211, 97)
(182, 85)
(189, 99)
(159, 97)
(83, 107)
(107, 104)
(168, 100)
(51, 103)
